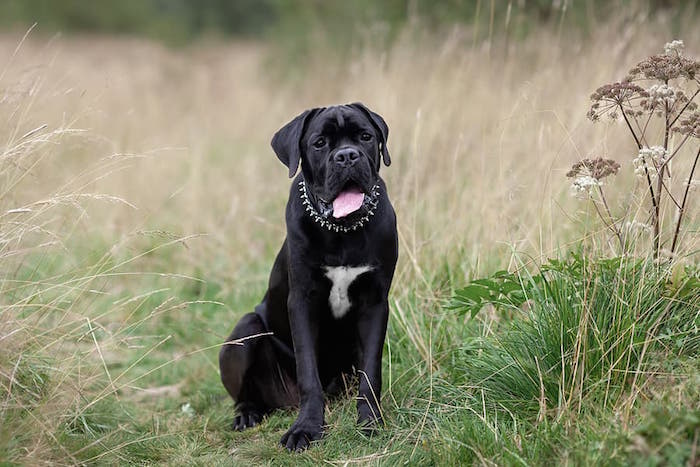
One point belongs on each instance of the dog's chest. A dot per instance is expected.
(341, 277)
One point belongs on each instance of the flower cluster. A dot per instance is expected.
(588, 173)
(660, 95)
(664, 68)
(582, 185)
(609, 97)
(597, 168)
(689, 125)
(674, 47)
(652, 157)
(673, 96)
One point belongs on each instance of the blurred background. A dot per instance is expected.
(141, 205)
(482, 98)
(182, 21)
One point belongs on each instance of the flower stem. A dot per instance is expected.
(665, 164)
(655, 211)
(629, 125)
(675, 151)
(685, 199)
(611, 225)
(685, 107)
(660, 181)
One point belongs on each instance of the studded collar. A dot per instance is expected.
(370, 204)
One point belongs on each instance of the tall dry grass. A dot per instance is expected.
(480, 139)
(121, 159)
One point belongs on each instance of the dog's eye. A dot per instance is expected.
(320, 142)
(365, 136)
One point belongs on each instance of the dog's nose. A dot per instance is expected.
(346, 157)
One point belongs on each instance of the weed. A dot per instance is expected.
(671, 99)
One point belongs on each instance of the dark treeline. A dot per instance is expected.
(180, 21)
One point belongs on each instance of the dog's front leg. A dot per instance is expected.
(304, 326)
(371, 331)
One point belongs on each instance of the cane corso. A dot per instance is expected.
(324, 315)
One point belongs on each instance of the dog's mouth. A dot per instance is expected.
(348, 200)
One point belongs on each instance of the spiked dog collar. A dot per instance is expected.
(370, 204)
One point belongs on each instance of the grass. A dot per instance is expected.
(583, 328)
(141, 209)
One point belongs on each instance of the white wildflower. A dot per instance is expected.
(660, 94)
(187, 409)
(674, 47)
(652, 158)
(639, 166)
(582, 186)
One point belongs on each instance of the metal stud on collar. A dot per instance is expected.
(331, 226)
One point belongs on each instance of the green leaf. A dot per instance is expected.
(473, 292)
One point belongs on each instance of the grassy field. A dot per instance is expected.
(141, 209)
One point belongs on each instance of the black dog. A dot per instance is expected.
(325, 311)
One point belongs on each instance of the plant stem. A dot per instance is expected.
(685, 107)
(646, 124)
(675, 151)
(670, 195)
(665, 164)
(655, 211)
(629, 125)
(612, 225)
(660, 181)
(685, 199)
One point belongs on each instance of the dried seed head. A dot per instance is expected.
(588, 173)
(611, 96)
(596, 168)
(682, 98)
(689, 125)
(665, 67)
(617, 93)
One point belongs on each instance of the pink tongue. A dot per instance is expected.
(347, 201)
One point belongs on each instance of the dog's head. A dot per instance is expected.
(340, 149)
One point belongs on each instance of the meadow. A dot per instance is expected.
(142, 207)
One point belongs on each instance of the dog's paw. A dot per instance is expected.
(246, 419)
(301, 434)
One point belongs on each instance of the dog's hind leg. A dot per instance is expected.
(255, 372)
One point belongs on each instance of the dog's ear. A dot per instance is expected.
(287, 141)
(380, 125)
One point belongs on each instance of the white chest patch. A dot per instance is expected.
(342, 277)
